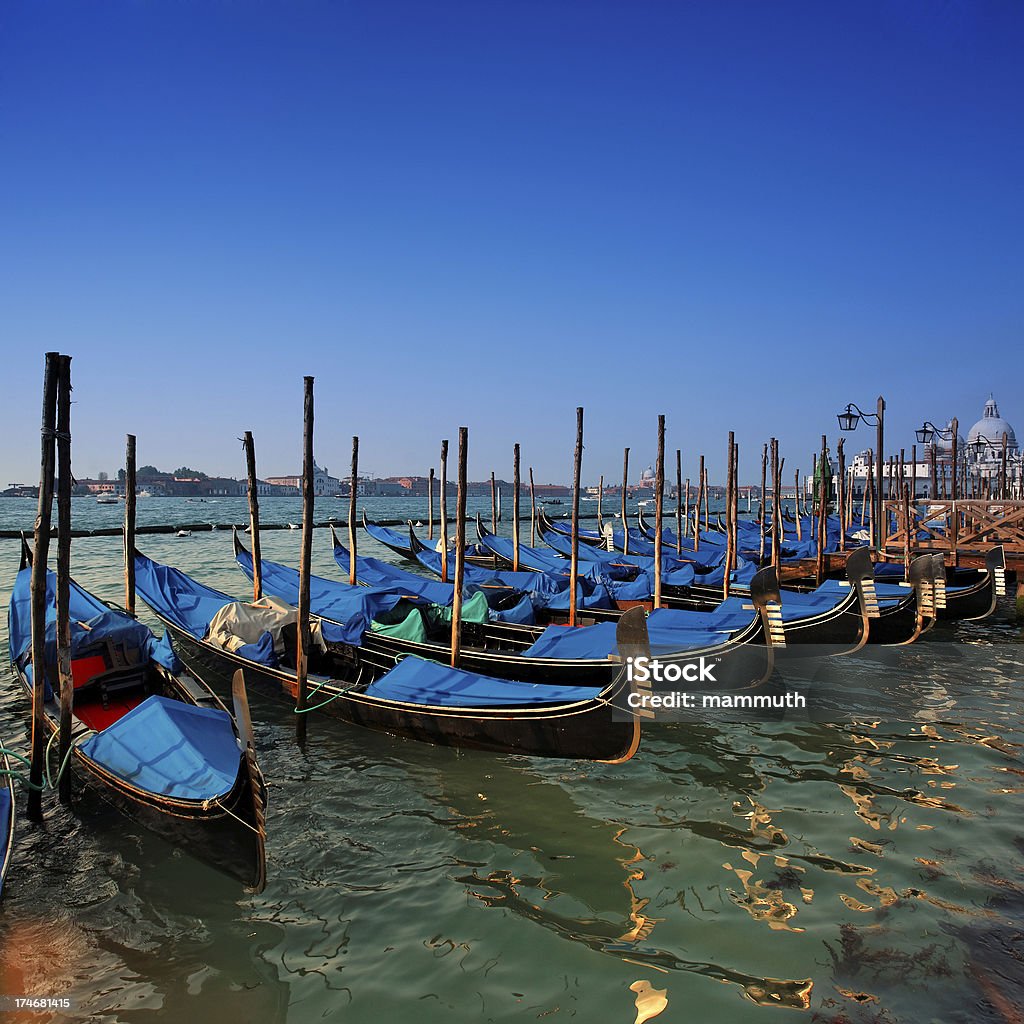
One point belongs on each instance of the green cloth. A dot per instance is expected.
(404, 621)
(408, 622)
(474, 609)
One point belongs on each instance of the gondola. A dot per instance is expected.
(399, 544)
(514, 651)
(961, 594)
(417, 699)
(156, 742)
(391, 539)
(591, 537)
(6, 818)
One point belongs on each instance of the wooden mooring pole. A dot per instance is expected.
(39, 562)
(625, 485)
(533, 513)
(515, 507)
(460, 546)
(305, 558)
(353, 491)
(67, 683)
(659, 509)
(764, 498)
(444, 511)
(430, 504)
(252, 490)
(574, 561)
(494, 506)
(679, 501)
(730, 483)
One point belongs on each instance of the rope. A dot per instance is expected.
(241, 821)
(51, 782)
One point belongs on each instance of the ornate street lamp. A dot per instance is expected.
(848, 420)
(927, 432)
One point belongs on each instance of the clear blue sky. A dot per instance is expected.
(742, 215)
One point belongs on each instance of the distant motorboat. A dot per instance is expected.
(106, 499)
(183, 533)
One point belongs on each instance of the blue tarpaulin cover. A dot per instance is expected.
(544, 589)
(416, 681)
(91, 622)
(382, 574)
(191, 605)
(598, 641)
(333, 600)
(165, 746)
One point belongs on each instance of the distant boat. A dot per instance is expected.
(293, 526)
(183, 533)
(106, 499)
(553, 501)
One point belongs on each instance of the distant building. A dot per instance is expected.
(323, 483)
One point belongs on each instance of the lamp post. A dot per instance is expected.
(848, 421)
(927, 431)
(980, 444)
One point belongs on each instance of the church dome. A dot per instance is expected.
(993, 426)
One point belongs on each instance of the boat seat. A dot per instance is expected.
(107, 669)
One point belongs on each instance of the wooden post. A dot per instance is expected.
(730, 483)
(533, 513)
(659, 509)
(906, 532)
(574, 561)
(686, 507)
(796, 492)
(353, 489)
(841, 496)
(736, 506)
(707, 497)
(679, 502)
(515, 507)
(129, 522)
(444, 511)
(701, 480)
(764, 497)
(254, 515)
(819, 569)
(600, 500)
(430, 504)
(913, 474)
(460, 547)
(1002, 470)
(776, 504)
(67, 684)
(494, 506)
(39, 563)
(880, 459)
(934, 489)
(955, 460)
(305, 558)
(869, 494)
(625, 484)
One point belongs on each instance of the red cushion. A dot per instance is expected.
(85, 669)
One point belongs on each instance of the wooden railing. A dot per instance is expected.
(956, 525)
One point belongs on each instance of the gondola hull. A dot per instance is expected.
(588, 729)
(226, 833)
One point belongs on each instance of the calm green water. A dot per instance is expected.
(753, 872)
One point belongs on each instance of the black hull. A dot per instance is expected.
(580, 730)
(975, 602)
(7, 841)
(227, 834)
